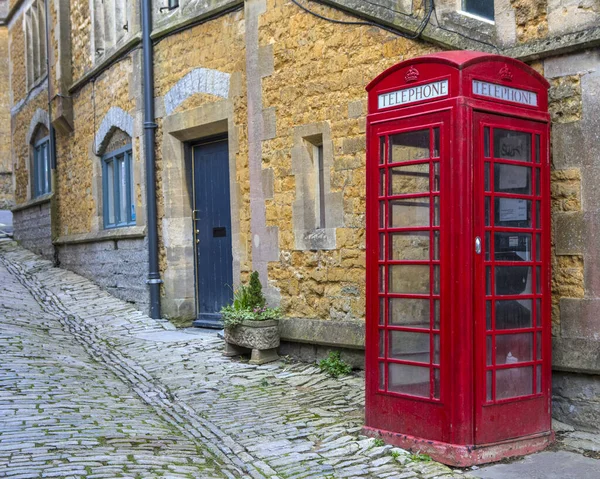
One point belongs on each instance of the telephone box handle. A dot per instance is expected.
(477, 245)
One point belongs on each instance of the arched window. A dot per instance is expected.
(41, 175)
(117, 181)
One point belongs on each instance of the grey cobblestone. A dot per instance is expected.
(88, 389)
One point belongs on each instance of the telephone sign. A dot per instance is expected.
(458, 258)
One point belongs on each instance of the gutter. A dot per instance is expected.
(150, 126)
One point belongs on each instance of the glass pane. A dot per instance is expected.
(514, 382)
(110, 192)
(409, 346)
(538, 312)
(538, 340)
(512, 179)
(512, 212)
(512, 246)
(436, 383)
(131, 188)
(381, 246)
(436, 314)
(409, 179)
(488, 280)
(486, 211)
(436, 211)
(436, 143)
(489, 385)
(382, 279)
(512, 314)
(409, 279)
(381, 311)
(538, 218)
(489, 349)
(409, 312)
(513, 280)
(538, 373)
(382, 150)
(486, 177)
(436, 279)
(486, 142)
(406, 379)
(514, 348)
(409, 146)
(512, 145)
(382, 376)
(488, 315)
(436, 176)
(538, 246)
(538, 275)
(382, 214)
(381, 343)
(538, 184)
(481, 8)
(412, 245)
(123, 193)
(382, 182)
(409, 212)
(537, 148)
(436, 349)
(487, 245)
(46, 169)
(436, 245)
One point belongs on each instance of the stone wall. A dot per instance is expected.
(33, 228)
(6, 187)
(118, 266)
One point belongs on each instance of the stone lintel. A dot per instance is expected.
(337, 333)
(576, 355)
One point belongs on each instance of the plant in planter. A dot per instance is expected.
(250, 325)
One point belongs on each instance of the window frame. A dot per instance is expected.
(39, 146)
(124, 154)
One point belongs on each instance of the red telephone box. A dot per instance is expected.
(458, 258)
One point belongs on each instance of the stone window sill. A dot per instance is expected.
(40, 200)
(130, 232)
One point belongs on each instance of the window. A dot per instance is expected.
(35, 42)
(110, 24)
(481, 8)
(117, 187)
(42, 183)
(320, 196)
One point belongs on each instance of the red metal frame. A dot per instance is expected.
(452, 417)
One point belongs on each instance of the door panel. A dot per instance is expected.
(212, 225)
(512, 286)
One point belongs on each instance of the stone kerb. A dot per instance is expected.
(115, 118)
(199, 80)
(40, 117)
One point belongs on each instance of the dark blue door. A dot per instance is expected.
(212, 224)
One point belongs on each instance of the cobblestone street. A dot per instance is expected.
(90, 387)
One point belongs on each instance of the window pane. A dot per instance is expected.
(409, 279)
(409, 312)
(123, 196)
(512, 179)
(409, 146)
(409, 346)
(109, 185)
(409, 179)
(409, 212)
(514, 348)
(511, 314)
(514, 382)
(512, 145)
(412, 245)
(512, 246)
(406, 379)
(513, 280)
(512, 212)
(481, 8)
(382, 150)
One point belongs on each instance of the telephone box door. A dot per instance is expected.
(407, 242)
(512, 307)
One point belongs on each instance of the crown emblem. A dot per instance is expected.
(411, 75)
(505, 73)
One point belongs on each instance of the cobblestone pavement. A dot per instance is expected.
(92, 388)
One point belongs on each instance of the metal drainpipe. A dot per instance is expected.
(149, 142)
(50, 127)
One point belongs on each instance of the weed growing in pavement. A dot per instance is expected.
(334, 365)
(418, 457)
(395, 454)
(378, 443)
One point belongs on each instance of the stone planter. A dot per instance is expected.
(261, 338)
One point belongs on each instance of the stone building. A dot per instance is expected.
(277, 87)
